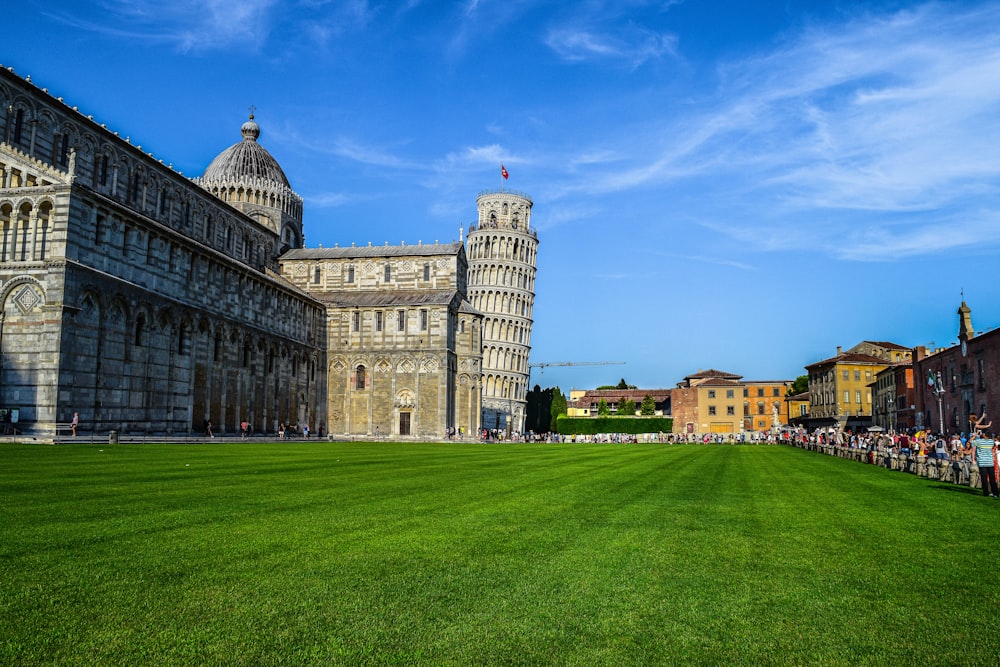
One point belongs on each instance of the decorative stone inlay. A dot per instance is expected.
(369, 268)
(430, 365)
(383, 366)
(404, 399)
(27, 299)
(405, 366)
(406, 266)
(339, 366)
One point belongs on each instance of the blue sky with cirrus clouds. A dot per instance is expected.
(716, 185)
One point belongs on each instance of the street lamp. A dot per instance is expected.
(939, 393)
(888, 413)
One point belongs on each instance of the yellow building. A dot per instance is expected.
(764, 404)
(708, 402)
(840, 392)
(714, 401)
(797, 407)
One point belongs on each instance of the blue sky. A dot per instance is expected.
(740, 186)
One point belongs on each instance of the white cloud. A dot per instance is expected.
(327, 199)
(214, 25)
(844, 124)
(632, 45)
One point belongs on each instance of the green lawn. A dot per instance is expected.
(466, 554)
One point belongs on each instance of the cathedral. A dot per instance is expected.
(146, 302)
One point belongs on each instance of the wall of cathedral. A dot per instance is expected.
(133, 297)
(46, 141)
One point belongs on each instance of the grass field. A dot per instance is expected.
(467, 554)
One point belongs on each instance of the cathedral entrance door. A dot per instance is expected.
(404, 423)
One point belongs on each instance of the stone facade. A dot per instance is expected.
(405, 354)
(502, 259)
(134, 297)
(148, 302)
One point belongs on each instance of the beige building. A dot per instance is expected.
(502, 257)
(405, 356)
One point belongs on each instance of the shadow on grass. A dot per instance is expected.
(968, 490)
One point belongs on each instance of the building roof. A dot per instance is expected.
(887, 345)
(852, 358)
(593, 396)
(386, 298)
(718, 382)
(245, 161)
(625, 393)
(712, 373)
(361, 252)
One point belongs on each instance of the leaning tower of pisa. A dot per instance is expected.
(501, 249)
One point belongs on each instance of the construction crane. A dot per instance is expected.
(545, 364)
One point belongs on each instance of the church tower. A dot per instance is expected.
(502, 249)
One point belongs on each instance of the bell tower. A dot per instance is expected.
(502, 249)
(965, 330)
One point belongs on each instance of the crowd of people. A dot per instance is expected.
(978, 446)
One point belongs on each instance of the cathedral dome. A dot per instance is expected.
(245, 161)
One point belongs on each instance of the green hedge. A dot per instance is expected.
(591, 425)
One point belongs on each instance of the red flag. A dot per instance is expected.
(503, 172)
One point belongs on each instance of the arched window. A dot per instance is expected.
(359, 378)
(6, 232)
(140, 325)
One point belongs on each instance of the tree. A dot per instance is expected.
(800, 386)
(538, 412)
(603, 409)
(626, 408)
(558, 407)
(648, 406)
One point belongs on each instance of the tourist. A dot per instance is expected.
(75, 423)
(985, 460)
(940, 449)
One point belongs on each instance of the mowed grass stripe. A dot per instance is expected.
(340, 553)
